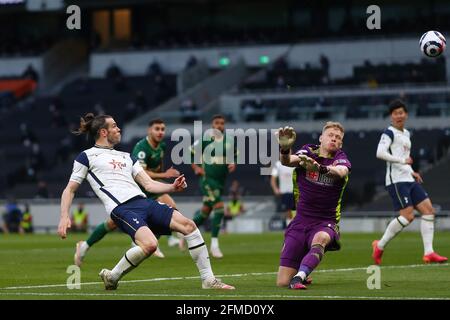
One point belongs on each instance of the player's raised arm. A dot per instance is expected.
(79, 173)
(286, 137)
(153, 186)
(198, 170)
(383, 149)
(66, 201)
(339, 171)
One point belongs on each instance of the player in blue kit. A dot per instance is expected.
(113, 175)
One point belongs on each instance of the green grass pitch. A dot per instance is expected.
(34, 267)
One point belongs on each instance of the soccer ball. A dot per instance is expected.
(432, 44)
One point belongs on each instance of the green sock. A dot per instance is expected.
(98, 234)
(216, 222)
(200, 217)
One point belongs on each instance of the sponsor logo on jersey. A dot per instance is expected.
(318, 178)
(338, 161)
(312, 175)
(117, 164)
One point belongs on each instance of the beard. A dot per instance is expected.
(113, 140)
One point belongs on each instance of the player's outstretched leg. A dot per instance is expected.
(215, 230)
(201, 215)
(427, 231)
(311, 260)
(172, 241)
(308, 264)
(158, 253)
(393, 228)
(181, 243)
(177, 240)
(99, 232)
(146, 246)
(198, 251)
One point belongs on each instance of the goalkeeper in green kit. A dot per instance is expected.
(213, 171)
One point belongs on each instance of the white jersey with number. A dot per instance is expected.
(394, 148)
(284, 175)
(110, 173)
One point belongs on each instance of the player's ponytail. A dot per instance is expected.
(85, 124)
(90, 125)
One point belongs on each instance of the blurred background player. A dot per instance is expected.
(322, 175)
(12, 217)
(26, 224)
(80, 219)
(213, 173)
(235, 206)
(282, 186)
(150, 152)
(403, 185)
(114, 177)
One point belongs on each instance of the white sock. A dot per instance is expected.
(214, 242)
(199, 254)
(84, 247)
(302, 275)
(427, 230)
(394, 228)
(132, 258)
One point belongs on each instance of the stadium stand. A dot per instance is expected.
(36, 136)
(367, 176)
(37, 146)
(282, 77)
(358, 106)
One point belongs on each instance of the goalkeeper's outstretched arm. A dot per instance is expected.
(286, 137)
(289, 160)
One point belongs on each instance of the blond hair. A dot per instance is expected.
(334, 125)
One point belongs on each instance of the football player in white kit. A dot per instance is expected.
(113, 175)
(284, 188)
(403, 185)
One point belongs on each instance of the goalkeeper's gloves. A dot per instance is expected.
(286, 137)
(312, 165)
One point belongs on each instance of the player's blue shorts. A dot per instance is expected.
(406, 194)
(287, 201)
(138, 212)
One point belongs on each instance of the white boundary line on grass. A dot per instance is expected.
(225, 275)
(260, 296)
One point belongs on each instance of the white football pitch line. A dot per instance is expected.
(258, 296)
(224, 276)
